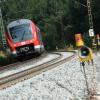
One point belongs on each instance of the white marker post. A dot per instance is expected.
(91, 32)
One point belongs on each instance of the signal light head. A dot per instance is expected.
(84, 52)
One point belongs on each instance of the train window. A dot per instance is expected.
(21, 33)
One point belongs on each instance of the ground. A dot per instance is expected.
(65, 82)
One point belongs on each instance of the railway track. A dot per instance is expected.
(14, 78)
(18, 63)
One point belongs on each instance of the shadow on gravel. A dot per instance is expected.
(28, 57)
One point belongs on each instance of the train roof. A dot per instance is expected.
(18, 22)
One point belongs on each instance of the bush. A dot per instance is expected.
(5, 59)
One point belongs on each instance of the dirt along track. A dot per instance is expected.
(15, 77)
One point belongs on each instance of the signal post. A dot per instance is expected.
(85, 54)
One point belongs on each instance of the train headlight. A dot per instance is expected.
(84, 52)
(23, 43)
(14, 52)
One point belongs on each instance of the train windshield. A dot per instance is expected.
(21, 33)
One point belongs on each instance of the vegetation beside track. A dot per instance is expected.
(5, 59)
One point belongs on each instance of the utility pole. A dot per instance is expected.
(91, 34)
(91, 30)
(90, 14)
(2, 31)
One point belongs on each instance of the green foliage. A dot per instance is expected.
(58, 19)
(69, 34)
(87, 40)
(96, 15)
(5, 59)
(51, 34)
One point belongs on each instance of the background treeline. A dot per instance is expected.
(58, 20)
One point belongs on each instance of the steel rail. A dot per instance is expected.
(17, 63)
(26, 74)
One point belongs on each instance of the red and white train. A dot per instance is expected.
(24, 38)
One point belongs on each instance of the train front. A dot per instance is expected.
(21, 36)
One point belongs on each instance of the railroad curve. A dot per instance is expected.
(61, 57)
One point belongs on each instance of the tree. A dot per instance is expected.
(59, 19)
